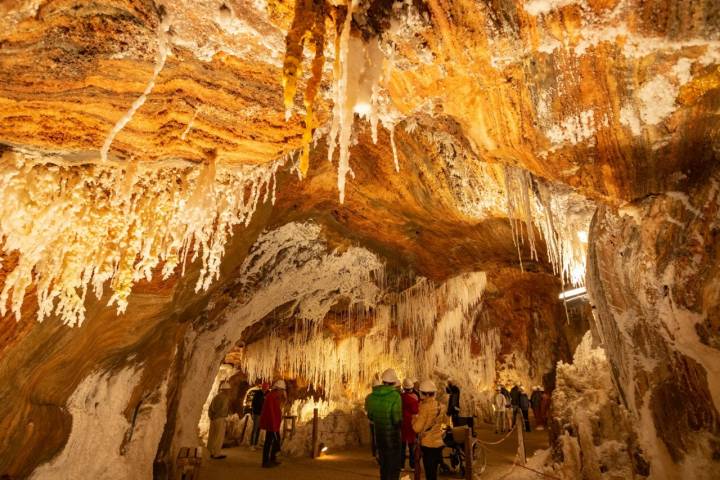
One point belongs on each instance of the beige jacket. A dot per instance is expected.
(429, 423)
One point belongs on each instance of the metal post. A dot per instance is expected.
(521, 441)
(468, 454)
(315, 424)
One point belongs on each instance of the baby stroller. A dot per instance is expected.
(453, 461)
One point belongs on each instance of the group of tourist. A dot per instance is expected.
(266, 413)
(507, 404)
(406, 416)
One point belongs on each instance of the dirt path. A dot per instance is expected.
(357, 464)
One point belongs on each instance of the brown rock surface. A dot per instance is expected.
(613, 100)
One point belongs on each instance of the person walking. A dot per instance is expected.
(256, 407)
(453, 392)
(384, 410)
(429, 424)
(270, 420)
(218, 412)
(535, 398)
(409, 408)
(515, 402)
(524, 403)
(499, 403)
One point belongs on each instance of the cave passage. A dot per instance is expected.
(284, 238)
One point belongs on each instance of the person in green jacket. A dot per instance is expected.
(384, 409)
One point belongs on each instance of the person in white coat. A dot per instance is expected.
(499, 402)
(218, 413)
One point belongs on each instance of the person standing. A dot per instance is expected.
(515, 402)
(218, 412)
(544, 406)
(499, 403)
(256, 406)
(535, 405)
(409, 408)
(524, 402)
(270, 420)
(384, 410)
(429, 425)
(453, 392)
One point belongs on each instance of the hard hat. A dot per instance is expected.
(407, 384)
(279, 385)
(224, 385)
(428, 386)
(265, 386)
(451, 381)
(389, 376)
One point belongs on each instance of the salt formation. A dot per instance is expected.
(423, 331)
(80, 226)
(103, 443)
(308, 26)
(586, 407)
(163, 50)
(561, 215)
(291, 265)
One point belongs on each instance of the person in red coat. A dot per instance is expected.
(270, 420)
(409, 408)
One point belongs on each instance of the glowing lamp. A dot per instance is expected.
(573, 293)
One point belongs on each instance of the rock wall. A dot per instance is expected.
(654, 279)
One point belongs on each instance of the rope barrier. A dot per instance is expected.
(501, 440)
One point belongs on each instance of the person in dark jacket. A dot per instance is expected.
(384, 410)
(410, 403)
(544, 406)
(270, 420)
(257, 403)
(453, 410)
(535, 398)
(524, 403)
(515, 402)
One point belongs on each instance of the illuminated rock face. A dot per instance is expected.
(654, 279)
(146, 158)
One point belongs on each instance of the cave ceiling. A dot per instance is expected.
(598, 101)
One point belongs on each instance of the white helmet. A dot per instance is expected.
(428, 386)
(225, 385)
(279, 385)
(407, 384)
(389, 376)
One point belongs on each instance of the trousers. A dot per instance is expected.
(271, 447)
(255, 436)
(216, 436)
(432, 457)
(389, 457)
(407, 446)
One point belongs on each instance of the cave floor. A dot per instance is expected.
(358, 464)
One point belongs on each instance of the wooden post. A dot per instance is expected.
(521, 441)
(315, 425)
(468, 454)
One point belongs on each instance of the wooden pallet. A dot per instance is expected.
(188, 463)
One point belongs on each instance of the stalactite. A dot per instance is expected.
(75, 226)
(308, 26)
(561, 216)
(417, 331)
